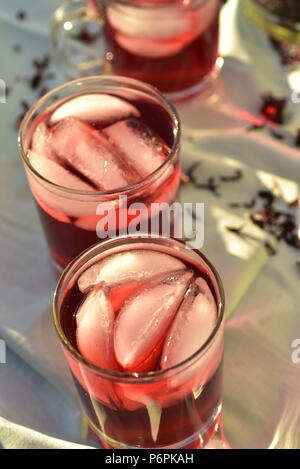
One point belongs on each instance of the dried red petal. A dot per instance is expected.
(273, 109)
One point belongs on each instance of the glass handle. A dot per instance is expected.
(78, 39)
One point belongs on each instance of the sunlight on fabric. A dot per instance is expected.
(281, 187)
(244, 246)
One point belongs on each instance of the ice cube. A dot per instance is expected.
(39, 137)
(145, 317)
(95, 107)
(147, 23)
(142, 148)
(40, 141)
(141, 32)
(87, 223)
(94, 333)
(56, 173)
(155, 33)
(203, 17)
(90, 153)
(151, 48)
(127, 267)
(55, 200)
(90, 222)
(192, 326)
(120, 293)
(205, 289)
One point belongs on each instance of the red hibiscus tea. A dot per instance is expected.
(97, 146)
(141, 324)
(171, 44)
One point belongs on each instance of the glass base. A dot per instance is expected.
(199, 88)
(219, 441)
(210, 436)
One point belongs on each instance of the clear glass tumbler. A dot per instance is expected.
(63, 128)
(176, 406)
(172, 44)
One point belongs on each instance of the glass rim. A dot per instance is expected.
(123, 81)
(115, 375)
(163, 4)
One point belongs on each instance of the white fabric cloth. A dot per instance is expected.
(38, 403)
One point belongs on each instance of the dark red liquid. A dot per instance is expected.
(190, 423)
(65, 234)
(187, 419)
(65, 240)
(171, 73)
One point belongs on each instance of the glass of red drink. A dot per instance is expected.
(93, 146)
(172, 44)
(141, 323)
